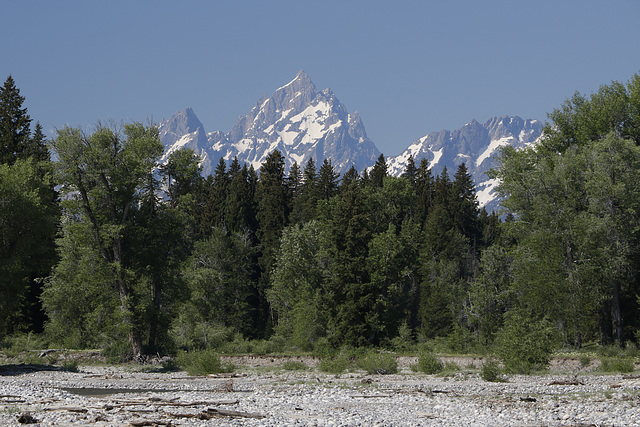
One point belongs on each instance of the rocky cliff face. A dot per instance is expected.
(302, 123)
(475, 145)
(297, 120)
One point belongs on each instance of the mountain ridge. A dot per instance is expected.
(302, 123)
(296, 119)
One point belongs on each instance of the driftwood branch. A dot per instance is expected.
(67, 408)
(123, 403)
(150, 423)
(210, 413)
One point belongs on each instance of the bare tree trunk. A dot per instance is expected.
(616, 315)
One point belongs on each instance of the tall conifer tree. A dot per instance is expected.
(15, 132)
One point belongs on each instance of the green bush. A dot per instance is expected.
(70, 365)
(294, 365)
(202, 362)
(616, 364)
(585, 360)
(404, 341)
(336, 364)
(428, 363)
(491, 371)
(238, 345)
(524, 344)
(378, 363)
(24, 342)
(322, 347)
(450, 367)
(118, 351)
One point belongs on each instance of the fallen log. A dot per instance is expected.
(217, 413)
(370, 396)
(572, 382)
(78, 409)
(138, 423)
(122, 403)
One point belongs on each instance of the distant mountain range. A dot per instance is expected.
(475, 145)
(302, 122)
(297, 119)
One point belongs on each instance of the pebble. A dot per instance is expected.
(406, 399)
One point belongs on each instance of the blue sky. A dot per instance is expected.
(408, 67)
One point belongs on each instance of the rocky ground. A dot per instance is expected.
(261, 393)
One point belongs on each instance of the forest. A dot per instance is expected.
(103, 247)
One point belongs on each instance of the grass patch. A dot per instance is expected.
(378, 363)
(616, 364)
(202, 362)
(294, 365)
(428, 363)
(491, 371)
(70, 365)
(337, 364)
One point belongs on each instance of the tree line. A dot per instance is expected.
(105, 247)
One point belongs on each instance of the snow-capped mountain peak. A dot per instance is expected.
(297, 119)
(474, 144)
(302, 123)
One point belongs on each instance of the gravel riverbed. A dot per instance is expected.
(263, 396)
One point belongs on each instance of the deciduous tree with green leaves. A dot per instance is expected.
(104, 177)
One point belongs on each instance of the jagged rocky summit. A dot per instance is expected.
(474, 144)
(297, 119)
(302, 122)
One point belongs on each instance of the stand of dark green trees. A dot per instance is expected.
(106, 248)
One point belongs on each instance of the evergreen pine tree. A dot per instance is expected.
(424, 186)
(38, 147)
(240, 214)
(464, 205)
(294, 183)
(218, 195)
(15, 133)
(378, 172)
(410, 170)
(304, 205)
(272, 218)
(327, 180)
(350, 179)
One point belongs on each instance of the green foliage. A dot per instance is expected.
(242, 263)
(575, 200)
(404, 341)
(492, 371)
(616, 364)
(274, 345)
(376, 363)
(336, 364)
(202, 362)
(27, 225)
(585, 361)
(28, 215)
(189, 333)
(294, 365)
(14, 124)
(70, 365)
(182, 172)
(22, 342)
(295, 292)
(108, 189)
(218, 275)
(525, 344)
(490, 294)
(428, 363)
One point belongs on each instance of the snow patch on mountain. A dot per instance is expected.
(474, 144)
(297, 119)
(302, 123)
